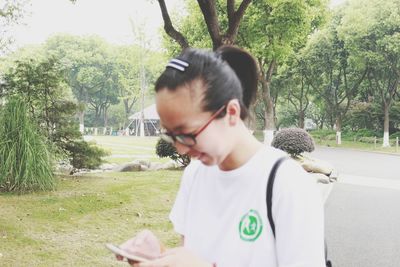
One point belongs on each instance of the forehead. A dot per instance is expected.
(181, 107)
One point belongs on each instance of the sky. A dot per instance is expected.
(109, 19)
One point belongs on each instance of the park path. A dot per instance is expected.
(362, 212)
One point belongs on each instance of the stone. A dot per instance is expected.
(130, 167)
(142, 162)
(64, 168)
(320, 178)
(170, 165)
(155, 166)
(333, 177)
(144, 168)
(315, 165)
(107, 166)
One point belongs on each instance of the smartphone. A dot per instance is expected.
(117, 250)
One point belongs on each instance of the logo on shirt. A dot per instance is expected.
(250, 226)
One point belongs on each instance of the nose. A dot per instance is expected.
(181, 148)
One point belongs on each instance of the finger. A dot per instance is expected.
(161, 262)
(119, 257)
(132, 262)
(170, 251)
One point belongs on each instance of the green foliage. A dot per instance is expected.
(323, 134)
(90, 71)
(85, 155)
(39, 82)
(25, 158)
(294, 141)
(394, 135)
(102, 75)
(361, 135)
(165, 149)
(369, 140)
(286, 116)
(11, 14)
(370, 30)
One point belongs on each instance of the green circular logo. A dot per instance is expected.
(250, 226)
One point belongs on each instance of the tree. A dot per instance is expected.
(292, 80)
(371, 30)
(11, 13)
(270, 30)
(126, 60)
(40, 83)
(235, 13)
(332, 72)
(90, 70)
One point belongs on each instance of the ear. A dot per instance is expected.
(233, 112)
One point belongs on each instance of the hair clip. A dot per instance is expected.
(178, 64)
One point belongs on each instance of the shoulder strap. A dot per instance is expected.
(270, 186)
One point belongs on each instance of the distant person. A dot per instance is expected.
(220, 211)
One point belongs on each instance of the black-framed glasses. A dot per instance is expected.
(189, 139)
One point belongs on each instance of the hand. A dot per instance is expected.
(131, 262)
(176, 257)
(144, 245)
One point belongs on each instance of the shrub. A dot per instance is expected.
(25, 158)
(368, 140)
(165, 149)
(294, 141)
(325, 134)
(394, 135)
(84, 155)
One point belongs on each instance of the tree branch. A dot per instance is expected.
(169, 28)
(234, 20)
(208, 8)
(230, 8)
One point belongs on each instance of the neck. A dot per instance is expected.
(245, 147)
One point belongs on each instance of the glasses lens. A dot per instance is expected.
(187, 140)
(167, 138)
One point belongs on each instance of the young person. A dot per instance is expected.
(203, 99)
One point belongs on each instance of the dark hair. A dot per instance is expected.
(228, 73)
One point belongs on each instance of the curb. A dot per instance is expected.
(369, 181)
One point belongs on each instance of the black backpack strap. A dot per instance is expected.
(270, 186)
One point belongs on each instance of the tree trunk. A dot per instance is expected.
(169, 29)
(250, 121)
(269, 105)
(97, 115)
(105, 117)
(269, 112)
(386, 126)
(81, 115)
(301, 119)
(338, 130)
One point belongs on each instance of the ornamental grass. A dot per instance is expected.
(25, 157)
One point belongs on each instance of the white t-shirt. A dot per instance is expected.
(223, 214)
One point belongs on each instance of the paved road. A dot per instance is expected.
(363, 209)
(361, 163)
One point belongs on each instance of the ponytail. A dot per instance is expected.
(245, 67)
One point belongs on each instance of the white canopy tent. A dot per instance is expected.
(146, 125)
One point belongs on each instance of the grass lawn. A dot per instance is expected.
(359, 146)
(70, 226)
(128, 148)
